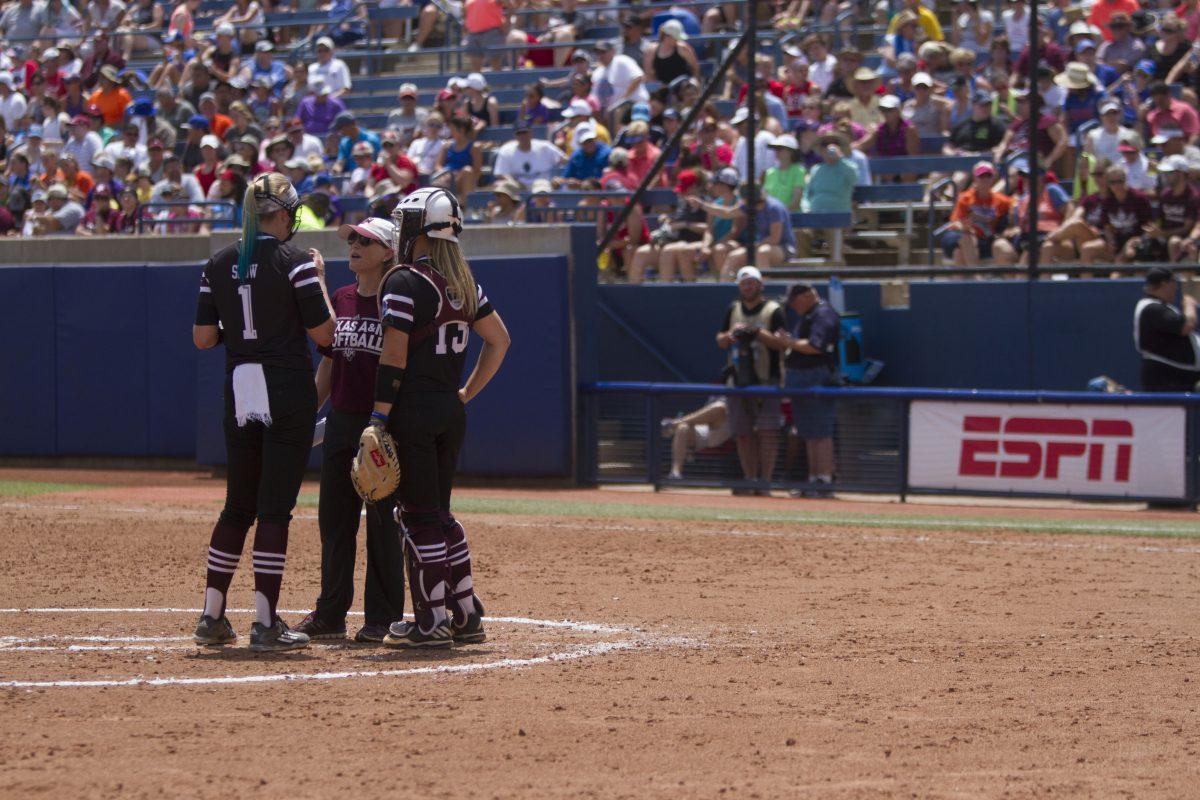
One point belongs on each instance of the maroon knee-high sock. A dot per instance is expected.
(270, 553)
(224, 552)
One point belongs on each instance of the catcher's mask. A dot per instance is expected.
(426, 212)
(284, 197)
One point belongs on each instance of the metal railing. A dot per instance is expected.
(627, 436)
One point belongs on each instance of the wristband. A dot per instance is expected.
(379, 416)
(387, 383)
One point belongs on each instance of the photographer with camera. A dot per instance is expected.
(754, 333)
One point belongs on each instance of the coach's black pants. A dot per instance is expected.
(267, 463)
(338, 514)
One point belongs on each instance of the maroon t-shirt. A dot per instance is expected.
(357, 340)
(1020, 138)
(1178, 210)
(1126, 216)
(1093, 209)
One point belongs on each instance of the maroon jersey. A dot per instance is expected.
(1177, 211)
(416, 301)
(1093, 209)
(1126, 217)
(357, 340)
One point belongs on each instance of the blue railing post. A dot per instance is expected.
(652, 441)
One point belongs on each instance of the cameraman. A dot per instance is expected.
(754, 333)
(811, 360)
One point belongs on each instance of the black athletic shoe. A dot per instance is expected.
(276, 638)
(471, 630)
(315, 628)
(371, 633)
(408, 634)
(213, 632)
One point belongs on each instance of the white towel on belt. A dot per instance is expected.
(250, 401)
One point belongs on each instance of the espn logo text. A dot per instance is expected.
(1036, 447)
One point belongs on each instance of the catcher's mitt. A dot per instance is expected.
(375, 471)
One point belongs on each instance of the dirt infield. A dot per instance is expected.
(716, 647)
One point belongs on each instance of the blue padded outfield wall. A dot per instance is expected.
(100, 362)
(953, 335)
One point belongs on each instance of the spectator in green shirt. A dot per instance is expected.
(785, 181)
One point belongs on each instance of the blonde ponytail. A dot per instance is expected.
(249, 232)
(448, 259)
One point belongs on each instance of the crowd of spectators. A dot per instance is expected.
(143, 117)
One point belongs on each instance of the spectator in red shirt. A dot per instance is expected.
(1167, 112)
(797, 88)
(393, 165)
(1103, 10)
(712, 152)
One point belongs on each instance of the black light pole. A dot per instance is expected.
(1033, 157)
(752, 125)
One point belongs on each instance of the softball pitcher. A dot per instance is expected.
(430, 305)
(260, 296)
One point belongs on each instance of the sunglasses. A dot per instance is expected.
(357, 238)
(1116, 180)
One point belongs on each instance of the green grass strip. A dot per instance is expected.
(32, 488)
(617, 510)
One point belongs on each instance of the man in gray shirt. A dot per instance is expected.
(22, 20)
(63, 215)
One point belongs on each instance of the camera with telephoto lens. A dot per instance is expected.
(742, 369)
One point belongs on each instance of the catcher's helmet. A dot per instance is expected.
(272, 188)
(426, 212)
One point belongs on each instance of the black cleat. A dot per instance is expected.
(409, 634)
(371, 633)
(213, 632)
(471, 630)
(276, 638)
(315, 628)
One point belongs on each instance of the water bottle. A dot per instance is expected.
(837, 295)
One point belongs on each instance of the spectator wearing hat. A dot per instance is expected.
(40, 161)
(264, 65)
(822, 65)
(155, 160)
(182, 22)
(1124, 215)
(796, 89)
(1164, 111)
(360, 170)
(617, 79)
(764, 157)
(485, 25)
(111, 98)
(210, 167)
(347, 127)
(904, 40)
(578, 116)
(588, 160)
(671, 56)
(979, 215)
(408, 118)
(174, 67)
(1082, 101)
(61, 217)
(712, 151)
(718, 238)
(79, 183)
(864, 105)
(102, 214)
(893, 135)
(535, 109)
(633, 40)
(774, 241)
(973, 27)
(642, 153)
(1164, 336)
(901, 84)
(675, 244)
(1050, 53)
(1103, 141)
(525, 159)
(223, 58)
(505, 207)
(639, 113)
(460, 162)
(478, 103)
(243, 125)
(12, 103)
(332, 70)
(1103, 12)
(82, 142)
(318, 111)
(785, 180)
(218, 123)
(927, 20)
(1085, 53)
(1178, 228)
(616, 176)
(426, 150)
(1121, 49)
(928, 113)
(1171, 142)
(394, 166)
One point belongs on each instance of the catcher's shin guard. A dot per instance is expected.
(461, 602)
(428, 569)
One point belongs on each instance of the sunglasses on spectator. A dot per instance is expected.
(1116, 180)
(357, 238)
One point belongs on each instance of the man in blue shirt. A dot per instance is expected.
(347, 126)
(774, 242)
(589, 159)
(265, 66)
(811, 360)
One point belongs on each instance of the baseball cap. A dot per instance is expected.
(476, 81)
(7, 79)
(408, 90)
(57, 190)
(1126, 147)
(263, 46)
(603, 46)
(319, 86)
(226, 29)
(296, 162)
(1079, 28)
(198, 121)
(1173, 164)
(362, 149)
(1084, 44)
(49, 53)
(325, 41)
(143, 107)
(740, 116)
(102, 160)
(38, 196)
(983, 168)
(34, 131)
(1109, 105)
(210, 141)
(981, 96)
(343, 119)
(671, 113)
(578, 108)
(1156, 276)
(865, 74)
(789, 141)
(889, 102)
(542, 186)
(685, 181)
(729, 177)
(448, 94)
(749, 273)
(674, 29)
(207, 97)
(641, 111)
(922, 79)
(155, 144)
(81, 119)
(1145, 66)
(1165, 135)
(586, 135)
(377, 228)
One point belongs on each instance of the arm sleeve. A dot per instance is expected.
(778, 320)
(399, 302)
(483, 306)
(306, 286)
(206, 308)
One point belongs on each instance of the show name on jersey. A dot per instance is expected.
(250, 272)
(357, 334)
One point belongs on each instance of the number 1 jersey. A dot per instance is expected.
(264, 317)
(416, 300)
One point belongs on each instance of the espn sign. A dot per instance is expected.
(1097, 450)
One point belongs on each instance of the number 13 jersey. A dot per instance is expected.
(264, 317)
(416, 300)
